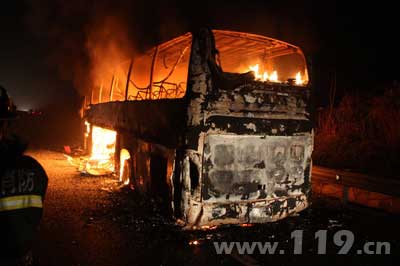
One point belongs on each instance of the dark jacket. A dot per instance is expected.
(23, 184)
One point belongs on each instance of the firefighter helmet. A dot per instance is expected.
(7, 108)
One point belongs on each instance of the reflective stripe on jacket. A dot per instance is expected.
(20, 202)
(23, 185)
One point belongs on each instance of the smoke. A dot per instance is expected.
(108, 48)
(87, 40)
(65, 29)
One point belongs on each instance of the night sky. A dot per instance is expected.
(43, 54)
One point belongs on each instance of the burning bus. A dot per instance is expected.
(216, 123)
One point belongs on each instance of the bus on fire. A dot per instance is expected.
(216, 123)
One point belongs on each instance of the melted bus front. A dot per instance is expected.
(251, 116)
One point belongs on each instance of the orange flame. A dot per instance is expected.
(101, 160)
(299, 80)
(87, 131)
(273, 76)
(123, 158)
(264, 76)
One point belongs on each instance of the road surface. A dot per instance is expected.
(94, 221)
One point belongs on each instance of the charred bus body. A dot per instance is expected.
(217, 123)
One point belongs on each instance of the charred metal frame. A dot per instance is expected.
(183, 135)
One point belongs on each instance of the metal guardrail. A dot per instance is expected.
(381, 185)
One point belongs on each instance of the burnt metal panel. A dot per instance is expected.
(242, 167)
(160, 121)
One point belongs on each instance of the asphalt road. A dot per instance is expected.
(95, 221)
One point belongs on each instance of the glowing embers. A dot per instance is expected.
(194, 242)
(101, 160)
(246, 225)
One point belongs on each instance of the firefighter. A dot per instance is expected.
(23, 184)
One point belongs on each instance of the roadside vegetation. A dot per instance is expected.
(361, 133)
